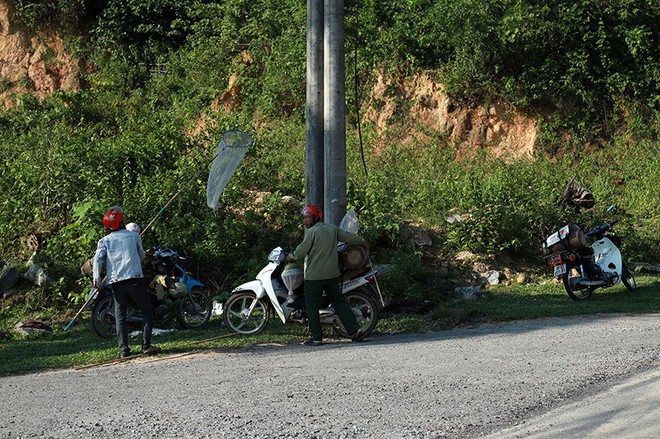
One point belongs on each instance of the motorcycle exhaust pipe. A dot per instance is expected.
(592, 283)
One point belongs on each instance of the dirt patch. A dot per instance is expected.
(505, 130)
(33, 63)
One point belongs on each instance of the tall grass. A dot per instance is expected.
(510, 206)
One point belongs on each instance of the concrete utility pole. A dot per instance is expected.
(314, 168)
(334, 110)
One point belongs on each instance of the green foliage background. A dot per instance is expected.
(145, 125)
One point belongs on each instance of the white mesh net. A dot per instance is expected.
(229, 154)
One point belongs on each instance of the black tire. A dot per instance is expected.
(575, 292)
(627, 278)
(363, 304)
(234, 313)
(194, 309)
(103, 317)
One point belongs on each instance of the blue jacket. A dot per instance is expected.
(121, 254)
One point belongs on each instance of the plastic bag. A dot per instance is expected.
(350, 222)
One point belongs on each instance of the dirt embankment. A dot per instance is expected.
(30, 62)
(413, 106)
(503, 129)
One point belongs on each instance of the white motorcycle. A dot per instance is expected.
(584, 269)
(279, 287)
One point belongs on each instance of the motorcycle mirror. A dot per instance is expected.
(609, 209)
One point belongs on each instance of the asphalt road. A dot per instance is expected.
(596, 376)
(630, 410)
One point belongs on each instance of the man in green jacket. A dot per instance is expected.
(319, 250)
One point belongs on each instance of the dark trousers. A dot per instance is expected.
(314, 295)
(135, 290)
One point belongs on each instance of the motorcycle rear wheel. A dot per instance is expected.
(103, 317)
(194, 309)
(361, 300)
(574, 291)
(235, 316)
(628, 279)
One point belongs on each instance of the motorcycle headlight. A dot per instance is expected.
(276, 255)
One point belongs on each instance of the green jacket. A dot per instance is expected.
(319, 249)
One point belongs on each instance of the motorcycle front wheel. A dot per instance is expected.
(627, 278)
(194, 309)
(570, 278)
(103, 317)
(361, 303)
(235, 313)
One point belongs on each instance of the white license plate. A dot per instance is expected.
(560, 270)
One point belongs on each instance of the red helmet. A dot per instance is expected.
(312, 210)
(113, 218)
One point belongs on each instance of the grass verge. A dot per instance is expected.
(80, 346)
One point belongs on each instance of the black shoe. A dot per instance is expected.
(125, 354)
(358, 335)
(150, 350)
(311, 342)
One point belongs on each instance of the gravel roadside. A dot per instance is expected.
(452, 384)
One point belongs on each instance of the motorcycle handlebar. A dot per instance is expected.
(600, 229)
(160, 252)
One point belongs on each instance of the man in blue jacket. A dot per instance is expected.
(121, 253)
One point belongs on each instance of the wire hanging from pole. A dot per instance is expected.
(357, 98)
